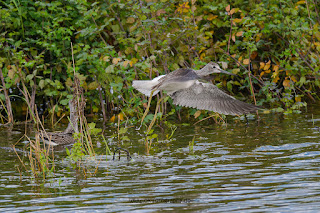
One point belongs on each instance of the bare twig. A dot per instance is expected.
(230, 34)
(261, 82)
(249, 75)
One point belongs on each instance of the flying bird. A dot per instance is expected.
(193, 88)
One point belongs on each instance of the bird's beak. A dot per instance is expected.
(225, 72)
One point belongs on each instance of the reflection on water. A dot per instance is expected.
(272, 165)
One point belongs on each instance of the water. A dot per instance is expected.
(271, 165)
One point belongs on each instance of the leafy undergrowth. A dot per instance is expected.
(273, 47)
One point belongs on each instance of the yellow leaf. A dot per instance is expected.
(11, 73)
(228, 8)
(286, 83)
(246, 61)
(183, 8)
(240, 58)
(237, 20)
(232, 11)
(130, 20)
(116, 60)
(197, 114)
(113, 118)
(266, 111)
(269, 62)
(275, 68)
(276, 79)
(266, 67)
(125, 63)
(202, 55)
(233, 38)
(133, 61)
(120, 116)
(237, 10)
(293, 79)
(301, 2)
(261, 65)
(211, 17)
(274, 75)
(297, 98)
(261, 74)
(239, 33)
(106, 58)
(268, 71)
(128, 50)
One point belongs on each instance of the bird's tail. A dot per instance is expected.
(145, 86)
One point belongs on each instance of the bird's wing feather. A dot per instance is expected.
(177, 76)
(207, 96)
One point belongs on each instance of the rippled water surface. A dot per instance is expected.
(270, 165)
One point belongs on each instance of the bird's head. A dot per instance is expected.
(212, 67)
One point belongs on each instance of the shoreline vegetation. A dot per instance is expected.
(272, 46)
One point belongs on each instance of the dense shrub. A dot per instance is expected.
(117, 41)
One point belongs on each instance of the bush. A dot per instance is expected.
(115, 42)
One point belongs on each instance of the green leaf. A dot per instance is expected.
(64, 102)
(122, 130)
(110, 69)
(302, 80)
(93, 85)
(67, 151)
(92, 125)
(41, 83)
(125, 138)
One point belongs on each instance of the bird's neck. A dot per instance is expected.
(203, 72)
(74, 117)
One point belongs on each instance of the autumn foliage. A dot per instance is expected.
(273, 47)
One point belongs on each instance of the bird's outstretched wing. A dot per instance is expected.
(209, 97)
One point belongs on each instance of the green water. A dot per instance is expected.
(270, 165)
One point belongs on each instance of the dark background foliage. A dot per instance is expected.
(273, 46)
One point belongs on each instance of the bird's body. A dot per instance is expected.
(186, 88)
(65, 137)
(56, 138)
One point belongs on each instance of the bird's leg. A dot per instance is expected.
(147, 109)
(247, 122)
